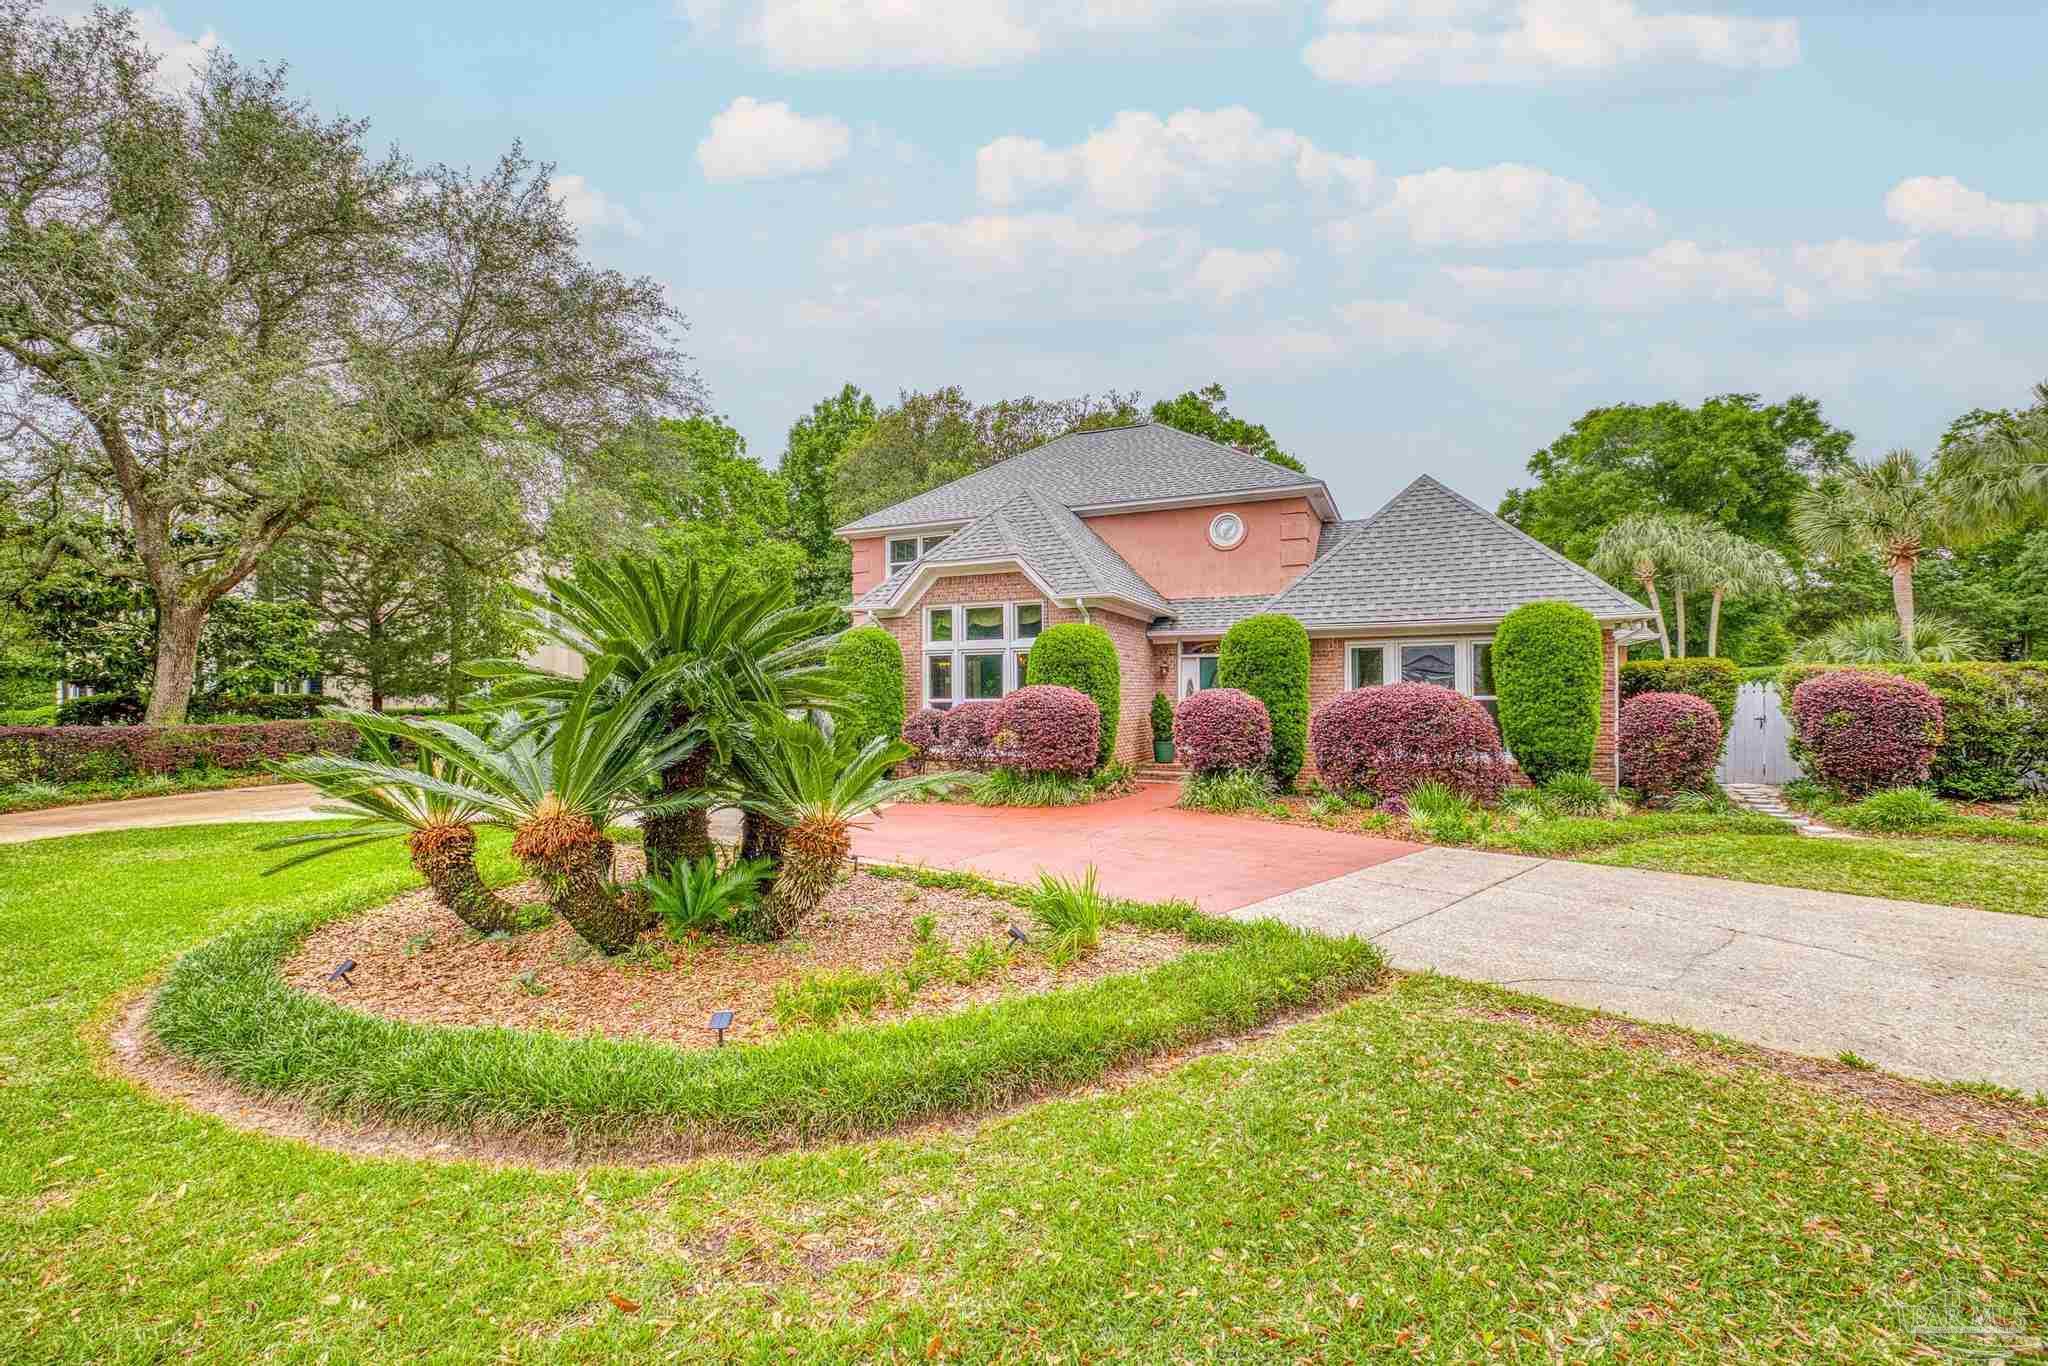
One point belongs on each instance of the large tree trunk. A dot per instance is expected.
(1714, 627)
(177, 660)
(1902, 603)
(446, 857)
(1657, 605)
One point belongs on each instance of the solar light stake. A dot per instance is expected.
(721, 1022)
(1018, 936)
(340, 974)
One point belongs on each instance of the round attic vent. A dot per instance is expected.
(1226, 529)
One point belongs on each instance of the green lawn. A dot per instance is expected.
(1950, 872)
(1398, 1177)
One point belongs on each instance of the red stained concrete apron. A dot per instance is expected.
(1142, 847)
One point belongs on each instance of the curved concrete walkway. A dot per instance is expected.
(274, 802)
(1928, 991)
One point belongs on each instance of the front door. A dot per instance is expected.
(1196, 673)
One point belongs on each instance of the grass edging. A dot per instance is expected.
(225, 1007)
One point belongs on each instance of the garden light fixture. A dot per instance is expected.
(721, 1021)
(340, 974)
(1018, 936)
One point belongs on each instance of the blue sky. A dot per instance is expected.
(1409, 237)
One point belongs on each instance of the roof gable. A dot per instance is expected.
(1145, 463)
(1432, 556)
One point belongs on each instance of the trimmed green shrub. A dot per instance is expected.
(264, 706)
(1162, 719)
(1081, 656)
(1714, 680)
(30, 716)
(871, 663)
(1547, 677)
(1994, 723)
(1267, 656)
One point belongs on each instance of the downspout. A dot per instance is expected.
(1081, 606)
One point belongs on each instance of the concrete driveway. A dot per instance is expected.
(274, 802)
(1928, 991)
(1141, 846)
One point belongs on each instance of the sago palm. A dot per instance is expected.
(559, 783)
(1890, 508)
(814, 792)
(726, 648)
(1874, 639)
(439, 829)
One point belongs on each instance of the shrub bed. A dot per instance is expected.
(967, 732)
(1717, 681)
(921, 731)
(1267, 656)
(1994, 723)
(1046, 728)
(1862, 731)
(225, 1007)
(1669, 742)
(871, 663)
(80, 754)
(101, 709)
(1219, 729)
(1082, 657)
(1387, 740)
(1547, 676)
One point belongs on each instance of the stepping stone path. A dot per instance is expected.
(1770, 801)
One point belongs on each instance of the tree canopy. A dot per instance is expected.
(1201, 412)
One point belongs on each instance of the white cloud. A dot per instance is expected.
(846, 34)
(1943, 204)
(1851, 269)
(1397, 325)
(590, 208)
(754, 139)
(1014, 244)
(1363, 327)
(1499, 205)
(181, 58)
(1225, 273)
(1493, 42)
(1141, 161)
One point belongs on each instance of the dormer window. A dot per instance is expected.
(910, 549)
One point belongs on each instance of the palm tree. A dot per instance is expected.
(1874, 639)
(814, 791)
(731, 648)
(1727, 565)
(559, 782)
(1999, 476)
(1890, 508)
(439, 830)
(1643, 546)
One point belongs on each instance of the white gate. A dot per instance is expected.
(1758, 748)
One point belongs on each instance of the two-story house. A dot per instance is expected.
(1165, 540)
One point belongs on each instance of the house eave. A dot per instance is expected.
(919, 583)
(1409, 628)
(1317, 494)
(949, 525)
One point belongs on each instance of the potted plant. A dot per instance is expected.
(1162, 729)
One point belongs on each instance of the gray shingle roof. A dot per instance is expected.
(1087, 469)
(1210, 614)
(1057, 546)
(1432, 556)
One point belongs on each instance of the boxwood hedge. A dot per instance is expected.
(1267, 656)
(871, 662)
(1547, 676)
(1082, 657)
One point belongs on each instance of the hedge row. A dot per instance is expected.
(1994, 743)
(78, 754)
(125, 708)
(1715, 681)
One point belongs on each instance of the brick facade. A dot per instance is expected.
(1149, 666)
(1136, 655)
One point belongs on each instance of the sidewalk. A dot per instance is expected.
(1927, 991)
(280, 802)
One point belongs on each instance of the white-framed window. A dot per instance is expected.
(977, 651)
(910, 549)
(1466, 665)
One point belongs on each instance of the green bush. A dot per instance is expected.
(871, 662)
(1716, 681)
(1267, 656)
(1082, 657)
(1994, 723)
(1548, 678)
(1227, 790)
(1162, 719)
(1576, 794)
(1894, 811)
(30, 716)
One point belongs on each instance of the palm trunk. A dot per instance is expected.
(761, 837)
(1714, 628)
(810, 864)
(446, 857)
(1679, 594)
(573, 859)
(679, 835)
(1657, 605)
(1902, 603)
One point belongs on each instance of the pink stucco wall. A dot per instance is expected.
(1170, 548)
(870, 562)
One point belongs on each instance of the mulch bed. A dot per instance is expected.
(415, 961)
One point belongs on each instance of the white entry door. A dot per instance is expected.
(1196, 673)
